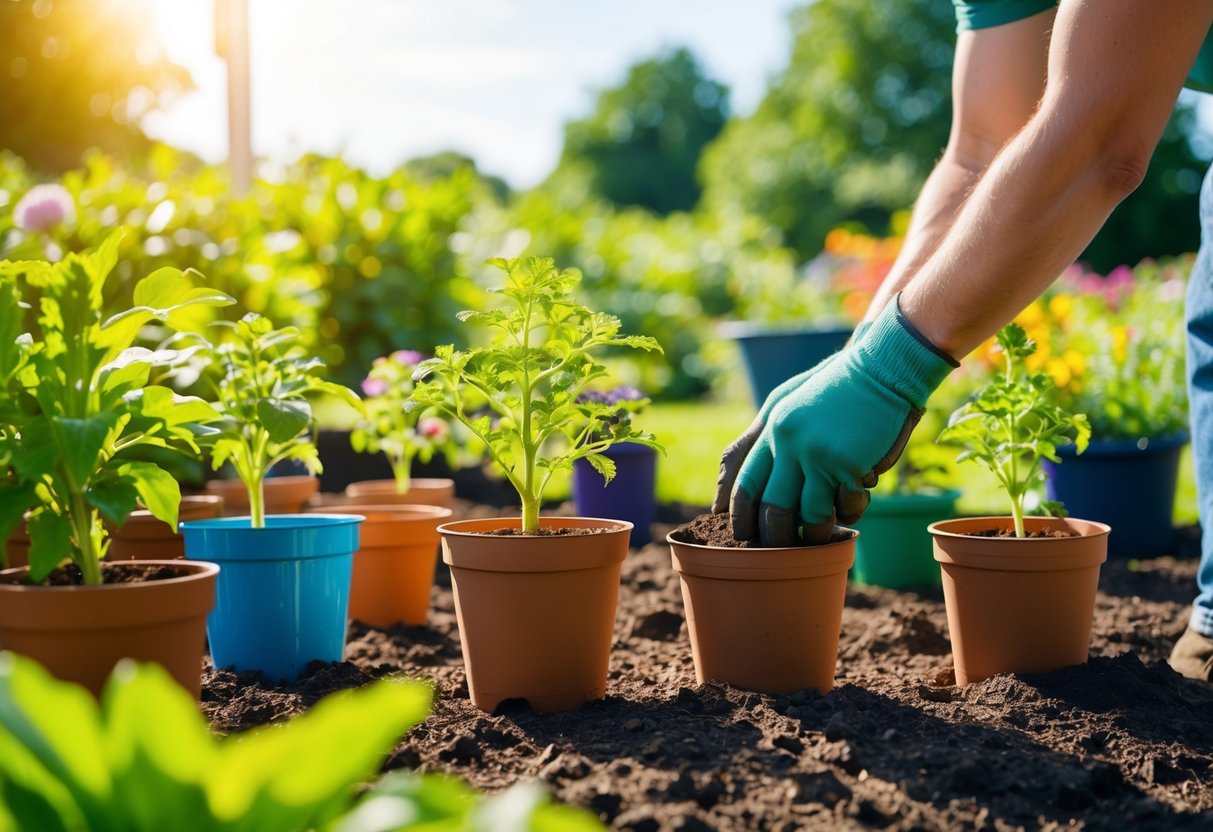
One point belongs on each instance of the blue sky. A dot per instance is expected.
(385, 80)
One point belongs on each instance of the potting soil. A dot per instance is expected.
(1121, 742)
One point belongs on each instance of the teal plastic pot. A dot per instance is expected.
(283, 591)
(894, 548)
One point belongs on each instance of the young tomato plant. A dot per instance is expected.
(390, 427)
(262, 380)
(77, 400)
(530, 379)
(1013, 423)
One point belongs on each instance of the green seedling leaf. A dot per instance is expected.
(50, 537)
(284, 419)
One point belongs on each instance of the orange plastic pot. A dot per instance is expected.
(536, 614)
(283, 495)
(764, 619)
(427, 492)
(394, 564)
(1018, 605)
(143, 537)
(80, 632)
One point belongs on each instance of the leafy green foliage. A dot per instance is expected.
(530, 379)
(262, 379)
(146, 761)
(641, 145)
(1013, 423)
(70, 81)
(78, 400)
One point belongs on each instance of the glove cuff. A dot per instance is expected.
(902, 358)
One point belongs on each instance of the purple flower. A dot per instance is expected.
(625, 394)
(409, 358)
(43, 207)
(374, 386)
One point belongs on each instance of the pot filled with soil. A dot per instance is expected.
(1018, 604)
(894, 548)
(283, 495)
(394, 564)
(153, 611)
(1131, 484)
(536, 612)
(761, 619)
(629, 496)
(283, 593)
(428, 491)
(143, 537)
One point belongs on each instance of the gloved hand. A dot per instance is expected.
(828, 439)
(737, 451)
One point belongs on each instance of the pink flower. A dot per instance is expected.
(409, 358)
(434, 429)
(374, 386)
(43, 207)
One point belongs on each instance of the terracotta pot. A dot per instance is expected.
(1018, 605)
(394, 564)
(283, 495)
(17, 547)
(422, 491)
(80, 632)
(536, 614)
(764, 619)
(143, 537)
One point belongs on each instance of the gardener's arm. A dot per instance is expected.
(1115, 69)
(998, 76)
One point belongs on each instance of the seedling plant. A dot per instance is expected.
(77, 399)
(1013, 423)
(262, 380)
(530, 380)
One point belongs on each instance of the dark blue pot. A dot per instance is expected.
(772, 358)
(1128, 485)
(629, 496)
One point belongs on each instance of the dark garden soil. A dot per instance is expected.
(716, 530)
(115, 573)
(1119, 743)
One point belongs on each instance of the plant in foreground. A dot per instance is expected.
(145, 760)
(76, 403)
(390, 427)
(530, 378)
(262, 380)
(1013, 423)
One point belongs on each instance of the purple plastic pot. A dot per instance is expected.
(629, 496)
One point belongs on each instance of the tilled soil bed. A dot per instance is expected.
(1121, 742)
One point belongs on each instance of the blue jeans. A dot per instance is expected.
(1199, 315)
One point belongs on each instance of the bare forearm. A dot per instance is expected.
(1113, 81)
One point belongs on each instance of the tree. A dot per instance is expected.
(642, 144)
(76, 74)
(850, 128)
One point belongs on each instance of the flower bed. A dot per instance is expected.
(1117, 741)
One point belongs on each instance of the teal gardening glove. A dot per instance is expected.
(831, 434)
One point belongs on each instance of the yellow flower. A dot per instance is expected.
(1076, 361)
(1030, 317)
(1060, 370)
(1060, 307)
(1120, 340)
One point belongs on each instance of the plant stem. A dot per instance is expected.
(530, 515)
(256, 501)
(401, 472)
(82, 522)
(1017, 516)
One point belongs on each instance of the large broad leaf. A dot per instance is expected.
(50, 537)
(114, 496)
(58, 727)
(284, 419)
(11, 351)
(404, 799)
(156, 297)
(157, 489)
(164, 405)
(37, 451)
(79, 443)
(15, 500)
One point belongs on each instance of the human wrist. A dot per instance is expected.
(898, 355)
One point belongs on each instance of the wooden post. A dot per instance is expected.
(232, 44)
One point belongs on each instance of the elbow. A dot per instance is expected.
(1121, 170)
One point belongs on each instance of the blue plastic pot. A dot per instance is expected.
(283, 591)
(771, 358)
(629, 496)
(1128, 485)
